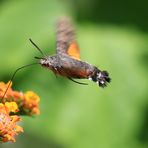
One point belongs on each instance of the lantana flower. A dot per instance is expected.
(12, 105)
(8, 127)
(28, 103)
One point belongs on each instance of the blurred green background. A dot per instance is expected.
(112, 35)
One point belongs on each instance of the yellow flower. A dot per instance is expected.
(11, 107)
(31, 101)
(31, 96)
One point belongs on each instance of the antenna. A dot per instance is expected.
(14, 76)
(36, 47)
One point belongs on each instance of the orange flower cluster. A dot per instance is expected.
(12, 105)
(8, 127)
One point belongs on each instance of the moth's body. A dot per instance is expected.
(66, 66)
(66, 62)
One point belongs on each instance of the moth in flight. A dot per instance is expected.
(66, 62)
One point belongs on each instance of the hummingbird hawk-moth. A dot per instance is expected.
(66, 62)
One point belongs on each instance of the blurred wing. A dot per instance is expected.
(66, 42)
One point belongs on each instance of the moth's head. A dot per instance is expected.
(45, 61)
(48, 62)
